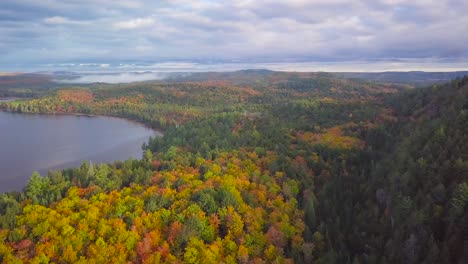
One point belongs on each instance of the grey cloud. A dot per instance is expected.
(271, 30)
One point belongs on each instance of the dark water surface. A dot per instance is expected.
(41, 142)
(7, 99)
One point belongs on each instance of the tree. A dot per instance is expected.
(36, 188)
(459, 200)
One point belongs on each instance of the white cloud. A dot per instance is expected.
(59, 20)
(134, 23)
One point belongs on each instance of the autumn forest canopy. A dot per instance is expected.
(254, 166)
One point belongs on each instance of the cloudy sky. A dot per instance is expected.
(48, 33)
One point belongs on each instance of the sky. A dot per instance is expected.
(330, 35)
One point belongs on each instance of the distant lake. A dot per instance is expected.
(7, 99)
(49, 142)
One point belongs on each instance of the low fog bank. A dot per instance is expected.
(126, 77)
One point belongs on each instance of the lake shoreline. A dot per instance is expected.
(107, 116)
(160, 132)
(8, 99)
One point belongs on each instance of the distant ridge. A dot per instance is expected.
(411, 77)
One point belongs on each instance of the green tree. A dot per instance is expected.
(36, 188)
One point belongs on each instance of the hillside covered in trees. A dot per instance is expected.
(255, 167)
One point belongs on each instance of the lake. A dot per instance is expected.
(40, 143)
(7, 99)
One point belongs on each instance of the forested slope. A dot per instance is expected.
(259, 167)
(420, 183)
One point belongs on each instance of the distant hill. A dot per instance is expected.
(413, 77)
(22, 79)
(24, 84)
(417, 78)
(33, 82)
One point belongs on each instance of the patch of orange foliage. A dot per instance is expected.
(236, 128)
(387, 115)
(332, 137)
(178, 93)
(75, 96)
(387, 89)
(249, 90)
(121, 100)
(84, 192)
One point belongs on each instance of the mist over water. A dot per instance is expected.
(139, 71)
(115, 77)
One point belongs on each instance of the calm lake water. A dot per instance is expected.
(42, 142)
(4, 100)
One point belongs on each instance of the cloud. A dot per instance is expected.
(58, 20)
(134, 23)
(112, 31)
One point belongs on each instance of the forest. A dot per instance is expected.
(255, 167)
